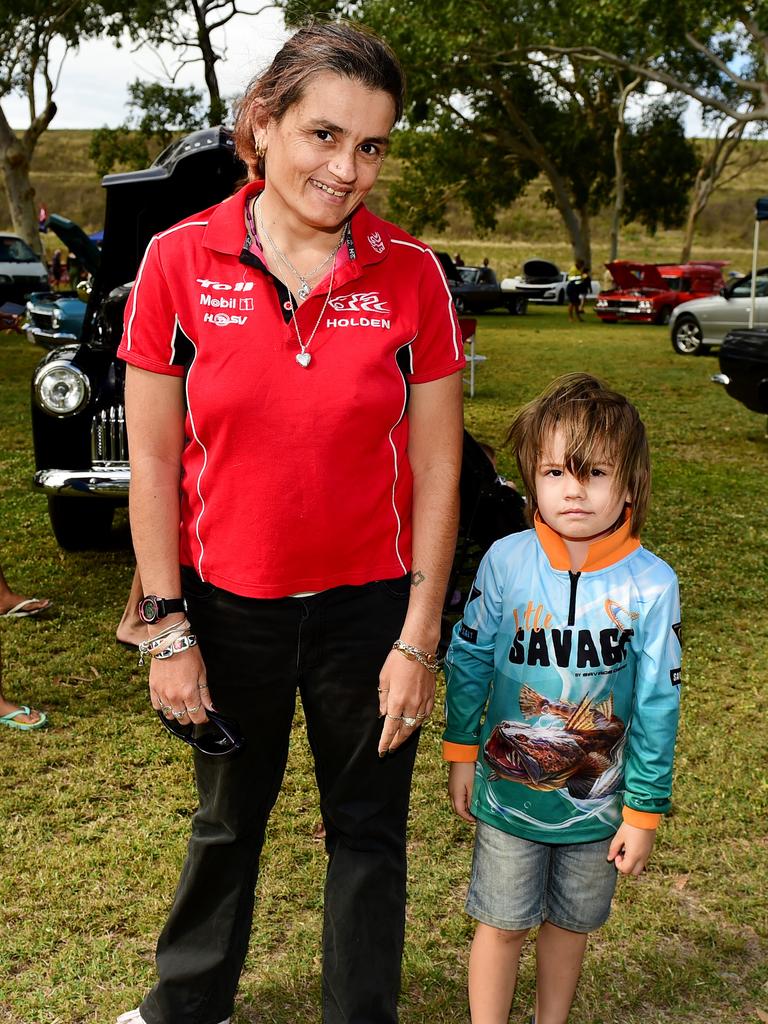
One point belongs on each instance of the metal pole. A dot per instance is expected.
(753, 285)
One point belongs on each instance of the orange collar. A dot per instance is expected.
(601, 553)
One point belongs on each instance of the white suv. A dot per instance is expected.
(21, 271)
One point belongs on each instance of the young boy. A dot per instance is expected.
(563, 695)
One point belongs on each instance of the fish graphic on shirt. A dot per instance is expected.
(572, 752)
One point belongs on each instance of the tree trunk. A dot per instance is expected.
(216, 112)
(576, 221)
(707, 180)
(702, 190)
(618, 163)
(15, 162)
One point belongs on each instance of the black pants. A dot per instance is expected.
(330, 647)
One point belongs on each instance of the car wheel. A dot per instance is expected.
(460, 304)
(518, 306)
(80, 524)
(664, 316)
(687, 338)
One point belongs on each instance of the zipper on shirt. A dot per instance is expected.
(574, 577)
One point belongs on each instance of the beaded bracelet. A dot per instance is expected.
(160, 640)
(430, 661)
(181, 643)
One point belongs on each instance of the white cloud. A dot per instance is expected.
(93, 88)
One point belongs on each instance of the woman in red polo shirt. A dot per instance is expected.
(293, 397)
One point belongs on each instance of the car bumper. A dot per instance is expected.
(49, 339)
(102, 482)
(626, 314)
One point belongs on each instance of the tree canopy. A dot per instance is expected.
(488, 111)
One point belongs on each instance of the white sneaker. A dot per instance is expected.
(134, 1017)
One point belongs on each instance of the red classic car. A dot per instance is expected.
(648, 292)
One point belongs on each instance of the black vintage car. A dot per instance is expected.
(78, 418)
(476, 290)
(744, 367)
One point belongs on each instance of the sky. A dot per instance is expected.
(93, 85)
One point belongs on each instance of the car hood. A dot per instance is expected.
(76, 240)
(636, 276)
(538, 271)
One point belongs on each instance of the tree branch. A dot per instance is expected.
(597, 55)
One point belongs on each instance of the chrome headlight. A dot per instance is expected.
(56, 319)
(601, 303)
(61, 389)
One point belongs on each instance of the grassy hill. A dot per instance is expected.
(67, 182)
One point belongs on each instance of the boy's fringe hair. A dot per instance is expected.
(597, 424)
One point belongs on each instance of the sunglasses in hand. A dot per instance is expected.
(215, 737)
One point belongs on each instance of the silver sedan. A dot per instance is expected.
(700, 323)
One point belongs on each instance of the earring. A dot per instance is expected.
(261, 149)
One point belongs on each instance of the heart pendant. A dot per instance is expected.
(303, 359)
(304, 291)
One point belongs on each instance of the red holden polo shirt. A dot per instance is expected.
(294, 479)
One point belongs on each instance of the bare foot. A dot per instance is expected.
(6, 708)
(9, 600)
(131, 630)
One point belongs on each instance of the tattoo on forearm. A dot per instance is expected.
(417, 577)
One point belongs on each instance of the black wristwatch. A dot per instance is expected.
(152, 608)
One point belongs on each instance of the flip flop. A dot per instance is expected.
(22, 609)
(26, 726)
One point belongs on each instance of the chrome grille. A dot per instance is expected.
(42, 319)
(109, 442)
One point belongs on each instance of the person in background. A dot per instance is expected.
(336, 361)
(585, 287)
(57, 268)
(607, 283)
(16, 606)
(42, 219)
(563, 692)
(487, 275)
(458, 260)
(573, 289)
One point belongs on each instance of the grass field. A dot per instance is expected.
(94, 810)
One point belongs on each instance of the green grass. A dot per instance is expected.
(94, 810)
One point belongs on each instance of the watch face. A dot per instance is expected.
(148, 609)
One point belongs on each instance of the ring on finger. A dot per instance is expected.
(380, 690)
(394, 718)
(180, 714)
(407, 720)
(191, 711)
(422, 714)
(165, 708)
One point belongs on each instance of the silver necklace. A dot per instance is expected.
(303, 358)
(304, 286)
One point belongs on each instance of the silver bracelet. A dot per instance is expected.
(430, 661)
(161, 639)
(181, 643)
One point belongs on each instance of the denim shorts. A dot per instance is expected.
(518, 884)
